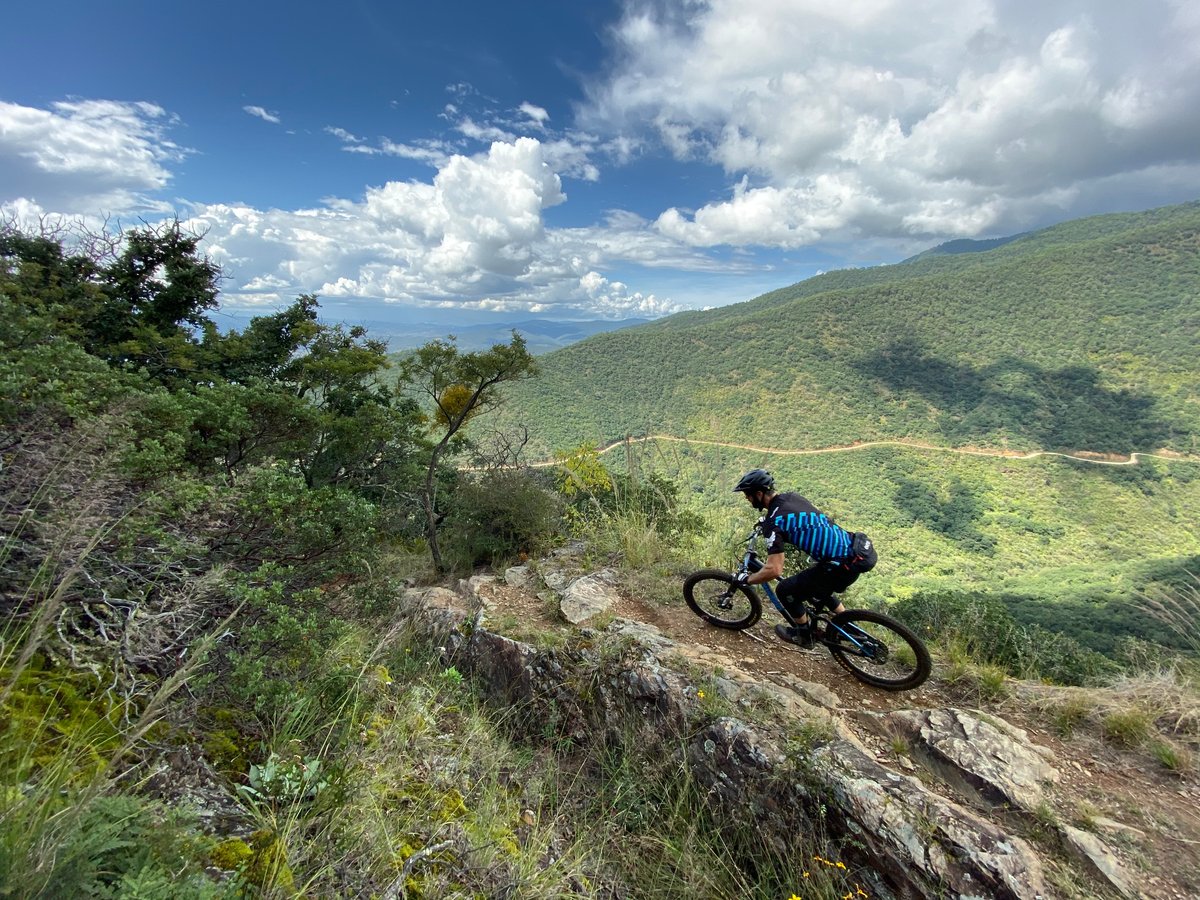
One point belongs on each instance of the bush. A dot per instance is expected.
(981, 627)
(497, 516)
(109, 846)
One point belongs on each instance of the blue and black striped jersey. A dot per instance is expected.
(792, 519)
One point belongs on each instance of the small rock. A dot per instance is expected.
(587, 597)
(1107, 824)
(517, 576)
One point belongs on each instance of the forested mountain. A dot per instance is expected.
(1078, 337)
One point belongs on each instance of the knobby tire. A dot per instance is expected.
(705, 590)
(905, 664)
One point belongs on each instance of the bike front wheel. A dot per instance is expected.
(717, 598)
(878, 650)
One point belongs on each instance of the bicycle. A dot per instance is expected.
(871, 646)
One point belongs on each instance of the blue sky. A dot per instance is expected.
(468, 161)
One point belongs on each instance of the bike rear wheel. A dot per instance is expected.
(716, 597)
(878, 650)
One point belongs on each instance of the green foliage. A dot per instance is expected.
(285, 781)
(157, 466)
(984, 629)
(956, 516)
(275, 517)
(1127, 727)
(108, 847)
(458, 386)
(597, 495)
(1078, 337)
(1172, 756)
(57, 717)
(500, 515)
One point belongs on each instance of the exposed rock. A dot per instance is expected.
(437, 598)
(1090, 850)
(921, 844)
(923, 839)
(646, 635)
(812, 691)
(556, 580)
(472, 586)
(587, 597)
(1115, 827)
(992, 757)
(518, 576)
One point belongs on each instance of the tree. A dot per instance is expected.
(460, 386)
(157, 292)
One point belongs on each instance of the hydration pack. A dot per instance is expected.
(862, 556)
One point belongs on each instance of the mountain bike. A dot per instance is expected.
(871, 646)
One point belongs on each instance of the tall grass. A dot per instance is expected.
(72, 726)
(430, 790)
(1179, 611)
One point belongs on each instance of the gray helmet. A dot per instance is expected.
(755, 480)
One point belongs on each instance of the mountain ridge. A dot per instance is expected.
(1096, 318)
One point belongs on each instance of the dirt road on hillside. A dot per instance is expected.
(1099, 459)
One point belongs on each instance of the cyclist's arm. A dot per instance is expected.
(771, 569)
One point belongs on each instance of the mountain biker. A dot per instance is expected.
(838, 556)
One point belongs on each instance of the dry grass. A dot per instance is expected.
(1179, 610)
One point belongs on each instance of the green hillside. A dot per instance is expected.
(1078, 337)
(1069, 545)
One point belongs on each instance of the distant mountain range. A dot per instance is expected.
(1083, 336)
(541, 335)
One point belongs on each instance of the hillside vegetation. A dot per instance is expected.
(1068, 546)
(208, 687)
(1078, 337)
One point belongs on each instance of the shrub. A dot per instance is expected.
(1126, 727)
(981, 628)
(497, 516)
(1171, 756)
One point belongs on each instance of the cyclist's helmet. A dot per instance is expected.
(755, 480)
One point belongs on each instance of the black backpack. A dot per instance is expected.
(862, 556)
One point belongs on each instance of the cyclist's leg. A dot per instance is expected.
(798, 589)
(836, 581)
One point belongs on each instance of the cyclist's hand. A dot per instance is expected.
(742, 577)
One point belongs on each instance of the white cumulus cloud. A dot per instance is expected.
(906, 117)
(474, 237)
(86, 157)
(259, 112)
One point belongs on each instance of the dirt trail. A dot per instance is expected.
(1149, 814)
(1084, 456)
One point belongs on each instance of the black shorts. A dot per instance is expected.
(816, 584)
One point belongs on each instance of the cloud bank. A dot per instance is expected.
(86, 156)
(906, 117)
(868, 121)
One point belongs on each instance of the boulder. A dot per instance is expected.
(518, 576)
(587, 597)
(989, 756)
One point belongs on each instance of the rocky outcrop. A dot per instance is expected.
(630, 684)
(587, 597)
(988, 756)
(1002, 771)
